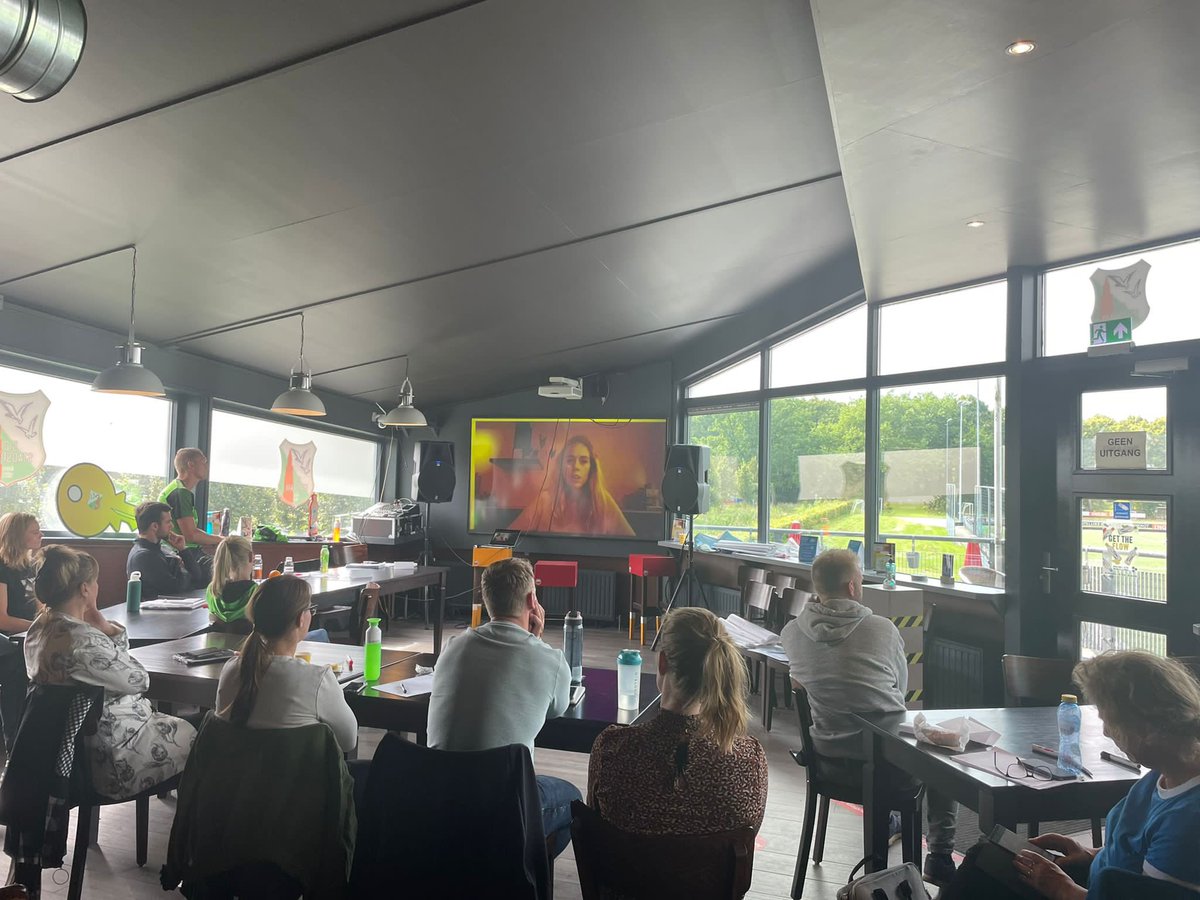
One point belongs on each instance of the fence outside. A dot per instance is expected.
(1124, 581)
(1095, 638)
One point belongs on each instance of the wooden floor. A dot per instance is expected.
(112, 872)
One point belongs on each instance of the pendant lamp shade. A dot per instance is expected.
(129, 376)
(405, 415)
(298, 399)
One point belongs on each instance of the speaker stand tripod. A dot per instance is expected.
(424, 558)
(688, 577)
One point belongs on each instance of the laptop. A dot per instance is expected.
(504, 537)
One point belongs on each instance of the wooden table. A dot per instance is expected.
(152, 626)
(173, 682)
(996, 799)
(574, 730)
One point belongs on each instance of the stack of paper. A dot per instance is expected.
(748, 635)
(175, 603)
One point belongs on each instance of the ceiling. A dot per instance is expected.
(502, 190)
(1088, 145)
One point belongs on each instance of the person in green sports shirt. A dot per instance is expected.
(231, 588)
(191, 467)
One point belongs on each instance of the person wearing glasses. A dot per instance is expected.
(1151, 709)
(266, 686)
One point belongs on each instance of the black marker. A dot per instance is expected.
(1043, 750)
(1121, 761)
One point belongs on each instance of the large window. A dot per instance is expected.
(835, 350)
(732, 436)
(958, 328)
(818, 467)
(266, 469)
(1076, 295)
(743, 376)
(941, 477)
(49, 424)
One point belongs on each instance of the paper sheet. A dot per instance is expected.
(409, 687)
(997, 762)
(748, 635)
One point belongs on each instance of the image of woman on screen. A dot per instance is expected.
(576, 502)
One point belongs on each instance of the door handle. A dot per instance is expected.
(1047, 575)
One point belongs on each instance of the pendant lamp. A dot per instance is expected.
(298, 399)
(405, 415)
(129, 376)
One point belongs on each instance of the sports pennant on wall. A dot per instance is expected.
(296, 472)
(1121, 293)
(22, 453)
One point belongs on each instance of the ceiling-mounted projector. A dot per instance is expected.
(561, 388)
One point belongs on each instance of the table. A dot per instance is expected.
(152, 626)
(574, 730)
(173, 682)
(997, 800)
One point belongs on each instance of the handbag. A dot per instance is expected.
(901, 882)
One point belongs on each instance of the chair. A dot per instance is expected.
(775, 662)
(641, 567)
(821, 788)
(282, 817)
(750, 573)
(780, 582)
(757, 597)
(48, 773)
(465, 824)
(612, 862)
(366, 606)
(1038, 681)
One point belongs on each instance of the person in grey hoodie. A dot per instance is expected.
(852, 661)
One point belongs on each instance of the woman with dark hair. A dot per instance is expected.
(70, 642)
(20, 540)
(577, 502)
(266, 686)
(692, 769)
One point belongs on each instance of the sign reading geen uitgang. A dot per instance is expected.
(1121, 450)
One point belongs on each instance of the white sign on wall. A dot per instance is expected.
(1121, 450)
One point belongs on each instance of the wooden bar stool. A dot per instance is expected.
(557, 573)
(641, 567)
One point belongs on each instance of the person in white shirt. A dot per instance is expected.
(266, 686)
(498, 684)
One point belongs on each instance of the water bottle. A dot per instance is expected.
(289, 567)
(324, 559)
(629, 679)
(573, 645)
(373, 652)
(889, 578)
(1069, 721)
(133, 593)
(258, 567)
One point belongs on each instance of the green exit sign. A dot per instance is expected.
(1114, 331)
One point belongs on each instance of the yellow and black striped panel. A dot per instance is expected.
(914, 658)
(908, 621)
(913, 696)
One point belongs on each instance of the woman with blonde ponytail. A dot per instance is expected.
(693, 769)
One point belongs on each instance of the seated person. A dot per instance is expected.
(498, 684)
(266, 686)
(228, 594)
(191, 467)
(692, 769)
(1151, 709)
(70, 642)
(851, 661)
(20, 539)
(162, 573)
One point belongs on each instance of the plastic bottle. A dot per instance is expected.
(889, 579)
(1069, 722)
(373, 651)
(337, 529)
(629, 679)
(324, 559)
(258, 566)
(133, 592)
(289, 567)
(573, 645)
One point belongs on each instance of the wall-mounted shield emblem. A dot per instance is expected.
(1121, 293)
(22, 452)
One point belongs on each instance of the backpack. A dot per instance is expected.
(269, 534)
(901, 882)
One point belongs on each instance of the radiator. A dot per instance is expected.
(595, 596)
(721, 600)
(953, 675)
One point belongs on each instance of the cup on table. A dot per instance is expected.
(304, 656)
(476, 615)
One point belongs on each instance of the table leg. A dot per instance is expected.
(439, 619)
(990, 816)
(875, 819)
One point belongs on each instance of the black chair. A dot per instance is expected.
(616, 863)
(350, 620)
(442, 823)
(773, 664)
(821, 788)
(757, 597)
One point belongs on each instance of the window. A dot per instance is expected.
(960, 328)
(941, 476)
(835, 350)
(1129, 425)
(818, 467)
(250, 472)
(1095, 638)
(128, 437)
(743, 376)
(1169, 288)
(732, 436)
(1123, 546)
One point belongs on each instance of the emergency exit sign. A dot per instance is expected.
(1114, 331)
(1121, 450)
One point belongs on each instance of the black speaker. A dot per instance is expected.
(685, 482)
(435, 472)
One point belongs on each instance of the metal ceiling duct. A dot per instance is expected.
(41, 42)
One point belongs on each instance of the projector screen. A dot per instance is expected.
(584, 477)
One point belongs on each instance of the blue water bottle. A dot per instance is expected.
(573, 645)
(1070, 720)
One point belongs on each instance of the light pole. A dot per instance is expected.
(961, 404)
(949, 530)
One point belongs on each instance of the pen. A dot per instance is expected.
(1120, 761)
(1043, 750)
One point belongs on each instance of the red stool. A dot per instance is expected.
(641, 567)
(557, 573)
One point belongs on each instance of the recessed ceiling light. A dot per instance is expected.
(975, 223)
(1020, 48)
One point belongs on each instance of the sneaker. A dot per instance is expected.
(939, 868)
(893, 827)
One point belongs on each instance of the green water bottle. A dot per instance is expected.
(133, 593)
(324, 559)
(373, 652)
